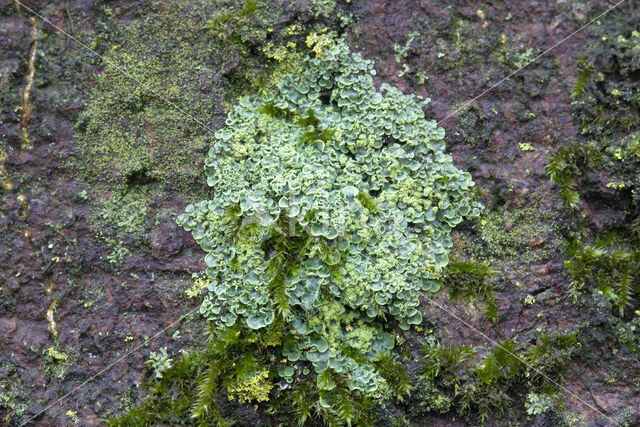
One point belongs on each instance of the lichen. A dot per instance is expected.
(327, 190)
(159, 362)
(254, 387)
(125, 213)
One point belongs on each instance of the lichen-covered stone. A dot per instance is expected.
(329, 195)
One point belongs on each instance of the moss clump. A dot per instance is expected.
(511, 234)
(240, 21)
(606, 92)
(14, 396)
(486, 387)
(122, 221)
(611, 265)
(470, 280)
(56, 362)
(602, 166)
(603, 170)
(188, 388)
(604, 162)
(237, 363)
(160, 94)
(508, 233)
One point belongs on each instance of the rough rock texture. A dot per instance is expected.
(108, 289)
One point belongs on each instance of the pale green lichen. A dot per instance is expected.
(159, 362)
(330, 197)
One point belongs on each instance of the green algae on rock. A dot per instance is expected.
(151, 110)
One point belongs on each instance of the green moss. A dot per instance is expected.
(511, 234)
(470, 280)
(601, 167)
(237, 364)
(606, 93)
(455, 379)
(160, 95)
(124, 217)
(628, 335)
(56, 362)
(240, 21)
(611, 265)
(604, 161)
(508, 233)
(433, 398)
(14, 396)
(252, 388)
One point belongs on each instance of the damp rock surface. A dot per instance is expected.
(89, 243)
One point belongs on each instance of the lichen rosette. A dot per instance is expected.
(332, 207)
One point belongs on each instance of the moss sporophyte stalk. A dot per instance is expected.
(331, 211)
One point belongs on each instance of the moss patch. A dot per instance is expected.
(155, 104)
